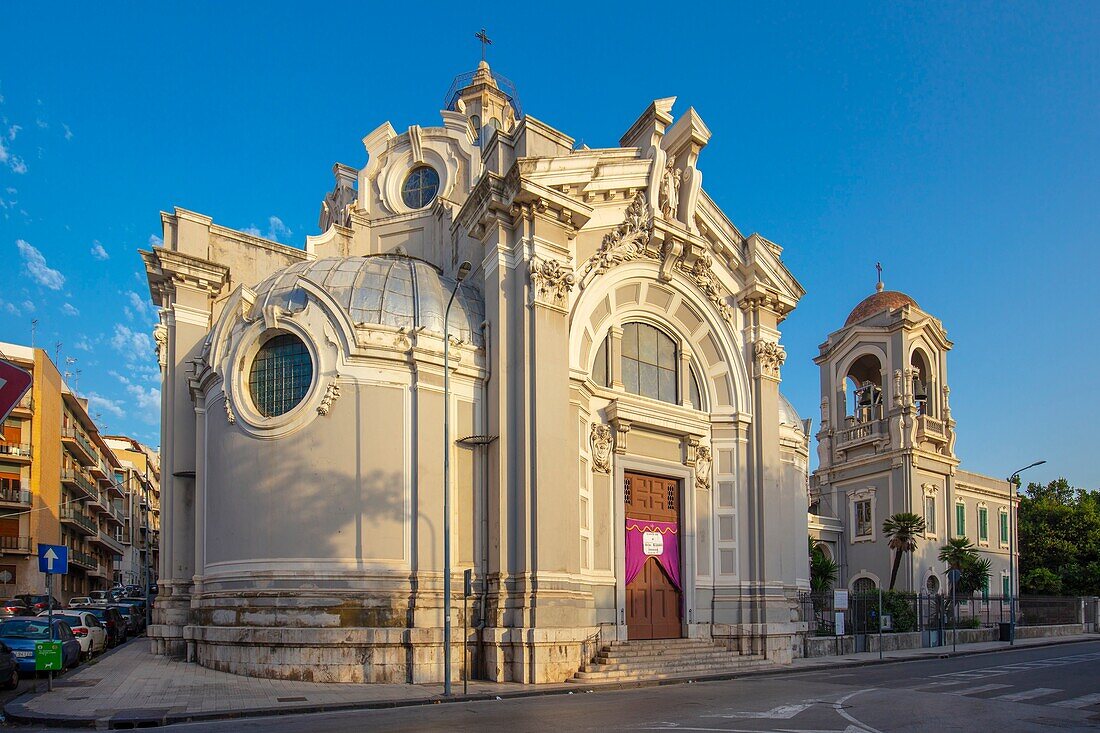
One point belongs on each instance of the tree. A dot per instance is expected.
(959, 554)
(1059, 531)
(902, 530)
(823, 569)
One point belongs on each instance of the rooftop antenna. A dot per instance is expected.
(485, 41)
(57, 352)
(879, 286)
(34, 329)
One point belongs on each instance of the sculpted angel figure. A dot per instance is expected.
(669, 198)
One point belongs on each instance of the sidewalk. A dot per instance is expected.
(132, 687)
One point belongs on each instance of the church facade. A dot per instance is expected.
(622, 462)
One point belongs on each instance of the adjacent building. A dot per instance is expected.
(623, 465)
(139, 475)
(886, 444)
(57, 486)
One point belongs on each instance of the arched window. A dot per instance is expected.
(649, 362)
(475, 121)
(863, 585)
(281, 374)
(695, 395)
(866, 378)
(601, 375)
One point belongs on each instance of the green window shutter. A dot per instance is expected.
(985, 588)
(983, 525)
(1004, 527)
(1005, 590)
(960, 520)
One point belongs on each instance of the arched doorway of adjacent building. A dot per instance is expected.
(654, 598)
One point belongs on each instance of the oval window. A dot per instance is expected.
(281, 374)
(420, 187)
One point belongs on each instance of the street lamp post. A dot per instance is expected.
(463, 271)
(1014, 485)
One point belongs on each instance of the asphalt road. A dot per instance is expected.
(1051, 688)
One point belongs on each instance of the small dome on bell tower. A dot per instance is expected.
(486, 97)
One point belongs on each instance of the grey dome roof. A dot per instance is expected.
(787, 414)
(389, 290)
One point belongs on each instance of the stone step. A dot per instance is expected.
(613, 657)
(686, 646)
(648, 673)
(717, 660)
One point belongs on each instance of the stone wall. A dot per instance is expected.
(827, 646)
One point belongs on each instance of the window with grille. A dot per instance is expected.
(649, 362)
(930, 515)
(281, 374)
(864, 523)
(420, 187)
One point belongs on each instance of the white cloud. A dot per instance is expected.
(134, 345)
(68, 132)
(28, 306)
(107, 405)
(276, 230)
(252, 230)
(11, 161)
(120, 377)
(155, 241)
(13, 131)
(98, 252)
(147, 398)
(138, 303)
(18, 165)
(37, 268)
(69, 310)
(11, 190)
(42, 124)
(83, 344)
(11, 308)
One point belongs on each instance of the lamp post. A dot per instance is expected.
(463, 271)
(1014, 485)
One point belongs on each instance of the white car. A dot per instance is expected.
(80, 601)
(88, 630)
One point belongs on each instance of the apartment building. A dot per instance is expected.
(139, 475)
(57, 486)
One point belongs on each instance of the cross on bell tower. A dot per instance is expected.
(485, 41)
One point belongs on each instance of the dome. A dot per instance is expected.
(388, 290)
(883, 300)
(787, 414)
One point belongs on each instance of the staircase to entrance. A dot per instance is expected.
(658, 659)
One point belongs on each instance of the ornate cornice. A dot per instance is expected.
(628, 241)
(769, 357)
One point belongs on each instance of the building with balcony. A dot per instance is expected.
(886, 445)
(139, 535)
(56, 485)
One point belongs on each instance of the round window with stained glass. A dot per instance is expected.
(420, 187)
(281, 374)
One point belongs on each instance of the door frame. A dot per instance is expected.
(625, 464)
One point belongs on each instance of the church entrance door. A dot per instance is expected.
(653, 597)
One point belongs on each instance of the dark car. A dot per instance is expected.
(9, 668)
(133, 624)
(117, 631)
(14, 607)
(21, 634)
(139, 603)
(37, 603)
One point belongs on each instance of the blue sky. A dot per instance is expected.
(958, 144)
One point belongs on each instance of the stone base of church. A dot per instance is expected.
(170, 616)
(532, 655)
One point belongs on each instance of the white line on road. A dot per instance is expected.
(1028, 694)
(976, 690)
(1079, 702)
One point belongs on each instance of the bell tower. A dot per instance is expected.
(488, 99)
(886, 437)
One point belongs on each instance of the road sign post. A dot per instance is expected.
(52, 560)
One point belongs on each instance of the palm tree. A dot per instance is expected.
(823, 569)
(957, 552)
(960, 554)
(902, 530)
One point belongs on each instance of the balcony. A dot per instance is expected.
(864, 432)
(25, 408)
(18, 451)
(16, 545)
(14, 495)
(79, 520)
(105, 540)
(82, 559)
(77, 479)
(99, 571)
(98, 503)
(931, 429)
(79, 445)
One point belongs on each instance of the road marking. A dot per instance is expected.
(783, 712)
(1079, 702)
(976, 690)
(1028, 694)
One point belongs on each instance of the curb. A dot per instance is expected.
(18, 712)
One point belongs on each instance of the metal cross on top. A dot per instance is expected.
(878, 266)
(485, 41)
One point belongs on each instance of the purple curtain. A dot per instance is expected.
(646, 538)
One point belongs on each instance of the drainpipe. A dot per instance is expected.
(486, 334)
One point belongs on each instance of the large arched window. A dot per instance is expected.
(281, 374)
(649, 362)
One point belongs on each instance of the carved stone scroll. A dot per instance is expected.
(552, 282)
(770, 357)
(331, 394)
(229, 416)
(626, 242)
(702, 467)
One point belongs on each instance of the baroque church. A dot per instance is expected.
(573, 352)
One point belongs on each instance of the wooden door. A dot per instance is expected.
(652, 602)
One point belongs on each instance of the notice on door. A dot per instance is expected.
(653, 543)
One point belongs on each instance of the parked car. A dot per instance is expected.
(139, 606)
(37, 603)
(9, 668)
(98, 598)
(88, 630)
(20, 635)
(130, 614)
(14, 607)
(113, 623)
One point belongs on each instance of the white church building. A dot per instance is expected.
(622, 463)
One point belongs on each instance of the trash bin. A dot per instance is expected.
(1006, 631)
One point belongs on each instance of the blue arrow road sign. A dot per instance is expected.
(53, 559)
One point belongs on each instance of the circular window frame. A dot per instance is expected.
(408, 176)
(239, 393)
(266, 339)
